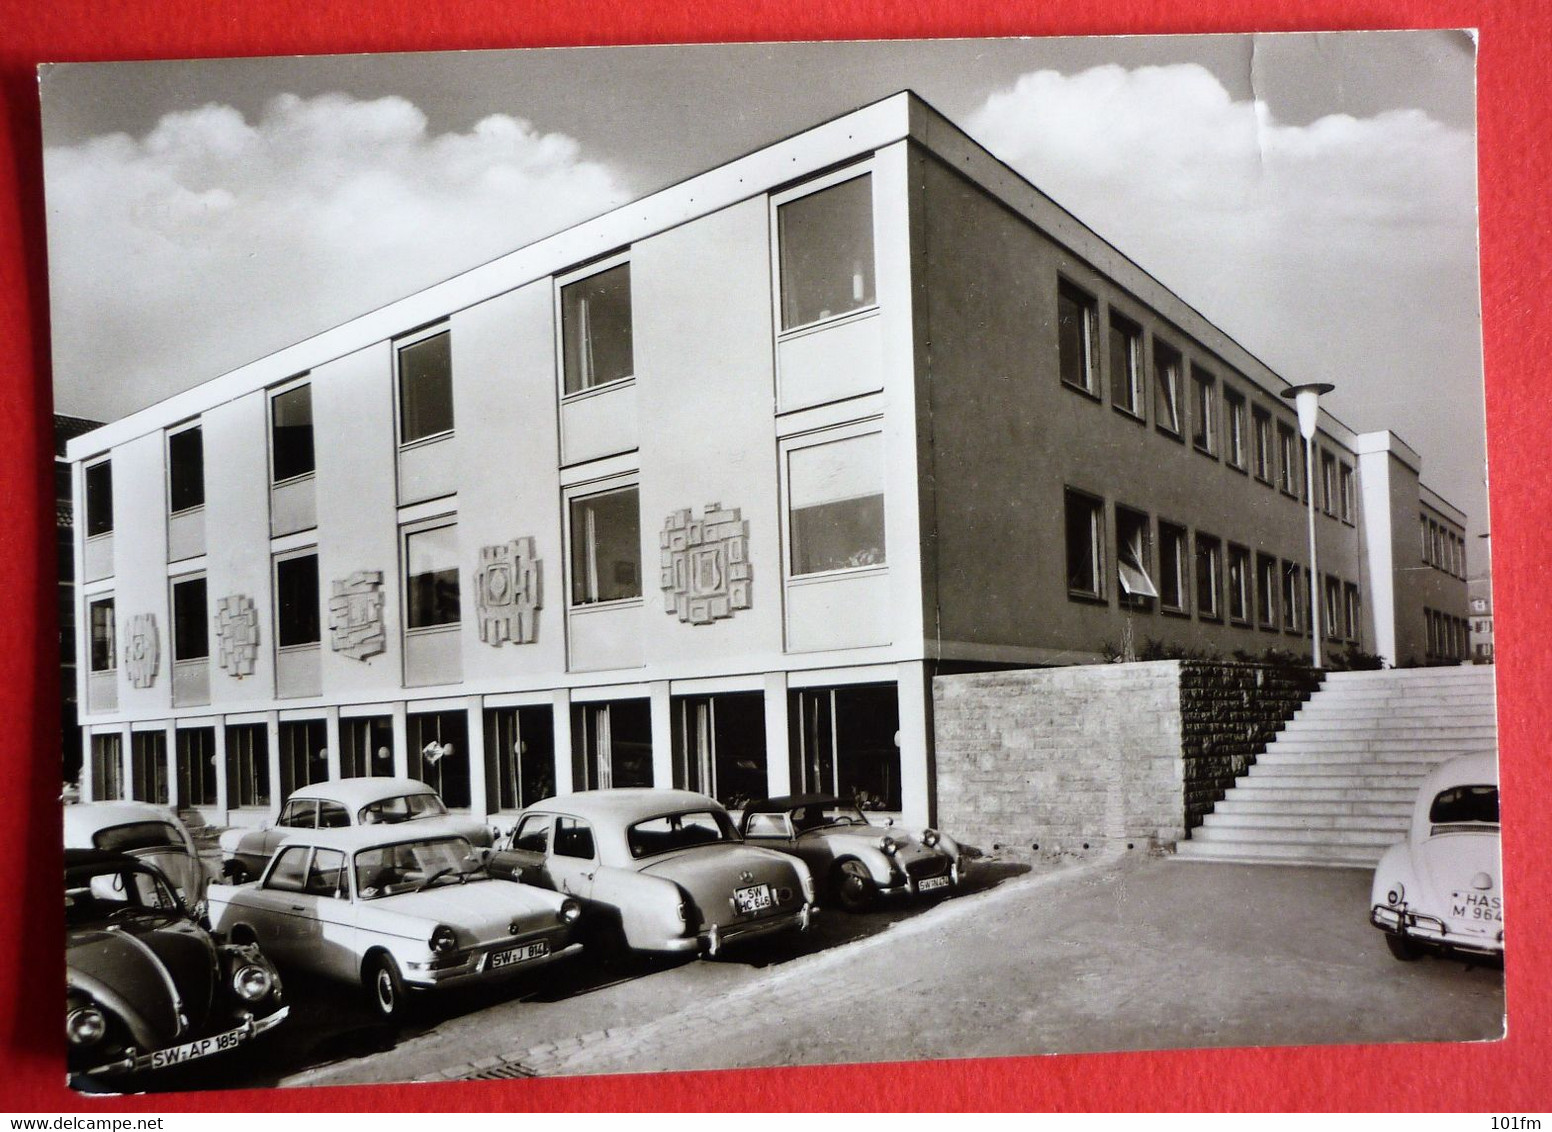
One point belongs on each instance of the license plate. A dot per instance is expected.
(191, 1051)
(755, 898)
(519, 954)
(930, 883)
(1476, 906)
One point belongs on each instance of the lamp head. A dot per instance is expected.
(1307, 399)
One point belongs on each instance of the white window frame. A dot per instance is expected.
(398, 345)
(816, 439)
(195, 425)
(290, 386)
(1174, 370)
(608, 486)
(1202, 378)
(420, 526)
(172, 617)
(798, 192)
(1089, 308)
(566, 279)
(1130, 331)
(276, 559)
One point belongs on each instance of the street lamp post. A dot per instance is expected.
(1307, 399)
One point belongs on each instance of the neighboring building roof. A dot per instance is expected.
(68, 428)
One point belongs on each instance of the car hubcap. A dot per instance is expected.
(385, 991)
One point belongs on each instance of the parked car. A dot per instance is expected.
(659, 870)
(395, 908)
(146, 986)
(1440, 890)
(855, 861)
(339, 805)
(146, 832)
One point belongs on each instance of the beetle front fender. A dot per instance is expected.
(1395, 867)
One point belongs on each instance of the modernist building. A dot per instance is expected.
(704, 492)
(65, 429)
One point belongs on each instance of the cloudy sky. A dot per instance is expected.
(1314, 195)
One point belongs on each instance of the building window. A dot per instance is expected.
(99, 498)
(104, 656)
(1209, 577)
(185, 470)
(595, 320)
(107, 767)
(1173, 575)
(1291, 597)
(196, 758)
(1166, 385)
(1288, 464)
(1266, 591)
(431, 577)
(1462, 547)
(845, 741)
(1422, 521)
(1345, 493)
(1262, 428)
(519, 756)
(190, 621)
(291, 433)
(1204, 411)
(836, 502)
(606, 547)
(1134, 557)
(297, 620)
(1234, 428)
(719, 746)
(1077, 319)
(247, 765)
(1085, 545)
(826, 252)
(148, 767)
(1239, 584)
(1351, 612)
(425, 387)
(366, 747)
(1126, 391)
(304, 758)
(439, 754)
(1333, 595)
(612, 744)
(1328, 502)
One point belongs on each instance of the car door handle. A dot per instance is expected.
(298, 908)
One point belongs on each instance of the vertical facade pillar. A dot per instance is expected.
(564, 783)
(662, 735)
(331, 739)
(272, 752)
(479, 798)
(223, 787)
(913, 741)
(401, 741)
(778, 762)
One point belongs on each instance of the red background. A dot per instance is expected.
(1515, 66)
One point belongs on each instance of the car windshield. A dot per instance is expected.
(679, 831)
(406, 807)
(388, 870)
(818, 815)
(98, 895)
(1465, 805)
(137, 835)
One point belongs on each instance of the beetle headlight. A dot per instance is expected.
(930, 838)
(890, 846)
(85, 1026)
(252, 982)
(443, 940)
(1396, 895)
(570, 911)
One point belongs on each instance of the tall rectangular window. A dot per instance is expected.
(1427, 541)
(1204, 411)
(148, 767)
(366, 747)
(1134, 558)
(519, 756)
(1328, 502)
(1085, 518)
(439, 754)
(1209, 577)
(425, 387)
(612, 744)
(1345, 493)
(104, 651)
(1166, 385)
(606, 547)
(431, 592)
(304, 757)
(247, 765)
(1262, 429)
(1239, 583)
(1292, 597)
(719, 746)
(1266, 591)
(1174, 583)
(836, 502)
(99, 498)
(196, 759)
(185, 470)
(1333, 593)
(291, 433)
(297, 619)
(107, 767)
(1126, 365)
(825, 242)
(1351, 612)
(1234, 428)
(1077, 317)
(845, 742)
(190, 621)
(595, 320)
(1288, 463)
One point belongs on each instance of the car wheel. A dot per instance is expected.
(1403, 948)
(854, 889)
(385, 989)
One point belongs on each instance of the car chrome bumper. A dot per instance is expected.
(1431, 931)
(718, 936)
(476, 969)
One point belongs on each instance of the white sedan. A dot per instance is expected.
(146, 832)
(394, 908)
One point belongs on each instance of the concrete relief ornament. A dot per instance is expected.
(143, 652)
(507, 594)
(706, 574)
(237, 633)
(356, 615)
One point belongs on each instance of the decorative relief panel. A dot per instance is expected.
(706, 574)
(506, 589)
(356, 615)
(143, 652)
(237, 632)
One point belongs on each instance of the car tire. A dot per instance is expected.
(385, 989)
(1403, 948)
(853, 886)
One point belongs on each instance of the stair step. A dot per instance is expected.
(1305, 768)
(1379, 839)
(1312, 792)
(1229, 852)
(1321, 806)
(1398, 729)
(1342, 782)
(1392, 825)
(1277, 755)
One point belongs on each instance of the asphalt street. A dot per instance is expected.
(1115, 955)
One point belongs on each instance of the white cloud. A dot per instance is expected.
(212, 240)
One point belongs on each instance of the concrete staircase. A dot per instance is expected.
(1336, 787)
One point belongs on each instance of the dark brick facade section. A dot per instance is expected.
(1098, 756)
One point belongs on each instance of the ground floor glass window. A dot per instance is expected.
(247, 765)
(719, 746)
(304, 757)
(439, 754)
(107, 767)
(612, 744)
(196, 759)
(148, 766)
(519, 756)
(845, 741)
(366, 747)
